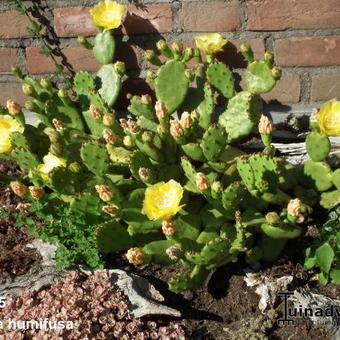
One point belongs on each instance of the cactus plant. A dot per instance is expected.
(169, 188)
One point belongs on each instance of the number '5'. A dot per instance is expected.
(2, 302)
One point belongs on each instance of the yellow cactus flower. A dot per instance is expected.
(50, 162)
(108, 14)
(162, 200)
(8, 125)
(329, 118)
(210, 43)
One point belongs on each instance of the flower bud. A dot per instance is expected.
(110, 210)
(245, 48)
(295, 208)
(265, 126)
(161, 110)
(146, 99)
(168, 228)
(75, 167)
(36, 192)
(133, 126)
(119, 66)
(147, 136)
(161, 45)
(202, 181)
(273, 218)
(104, 192)
(176, 130)
(109, 137)
(144, 174)
(152, 58)
(85, 43)
(17, 71)
(276, 72)
(45, 83)
(186, 120)
(135, 256)
(62, 94)
(13, 107)
(174, 253)
(128, 141)
(30, 106)
(108, 120)
(124, 124)
(27, 89)
(177, 47)
(95, 113)
(18, 188)
(195, 115)
(58, 124)
(269, 58)
(217, 187)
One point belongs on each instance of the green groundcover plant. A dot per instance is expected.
(171, 184)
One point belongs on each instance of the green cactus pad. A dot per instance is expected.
(188, 226)
(119, 155)
(138, 108)
(104, 47)
(157, 250)
(110, 84)
(232, 197)
(206, 108)
(64, 181)
(281, 231)
(318, 174)
(336, 178)
(189, 170)
(95, 158)
(242, 113)
(259, 78)
(83, 82)
(95, 126)
(220, 76)
(112, 237)
(208, 234)
(171, 84)
(271, 247)
(330, 200)
(141, 160)
(259, 172)
(213, 142)
(25, 159)
(147, 124)
(318, 146)
(194, 151)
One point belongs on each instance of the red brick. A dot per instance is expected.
(11, 91)
(211, 16)
(148, 19)
(13, 25)
(325, 87)
(74, 21)
(313, 51)
(8, 58)
(287, 90)
(273, 15)
(79, 58)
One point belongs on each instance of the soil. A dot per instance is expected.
(15, 257)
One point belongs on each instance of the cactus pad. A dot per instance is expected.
(220, 76)
(330, 199)
(259, 78)
(213, 142)
(104, 47)
(95, 158)
(26, 159)
(318, 174)
(111, 84)
(318, 146)
(242, 113)
(171, 84)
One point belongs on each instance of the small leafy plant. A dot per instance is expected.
(172, 184)
(324, 255)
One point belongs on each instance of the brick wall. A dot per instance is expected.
(303, 34)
